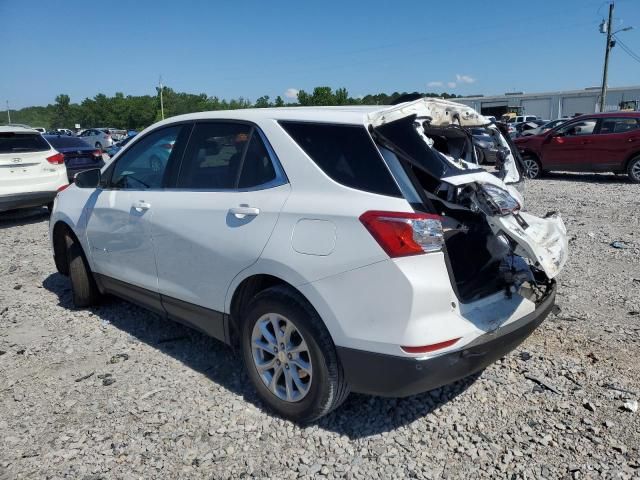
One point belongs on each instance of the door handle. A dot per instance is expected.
(244, 211)
(632, 140)
(141, 205)
(586, 142)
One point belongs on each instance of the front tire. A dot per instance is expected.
(533, 167)
(633, 170)
(290, 357)
(84, 288)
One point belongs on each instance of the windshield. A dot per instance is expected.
(433, 150)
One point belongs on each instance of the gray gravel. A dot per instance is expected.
(115, 392)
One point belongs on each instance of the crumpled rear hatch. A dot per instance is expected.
(481, 211)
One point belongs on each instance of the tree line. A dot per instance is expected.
(138, 112)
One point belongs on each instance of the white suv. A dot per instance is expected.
(340, 248)
(31, 171)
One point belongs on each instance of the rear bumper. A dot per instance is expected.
(393, 376)
(14, 201)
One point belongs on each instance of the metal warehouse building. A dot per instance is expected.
(551, 105)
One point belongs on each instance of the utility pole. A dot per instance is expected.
(8, 113)
(603, 90)
(161, 102)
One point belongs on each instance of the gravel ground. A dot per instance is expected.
(116, 392)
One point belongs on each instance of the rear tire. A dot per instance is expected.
(84, 288)
(633, 169)
(533, 167)
(299, 394)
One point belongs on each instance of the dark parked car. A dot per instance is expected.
(601, 142)
(78, 154)
(486, 145)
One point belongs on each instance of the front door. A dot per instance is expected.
(217, 220)
(119, 224)
(569, 147)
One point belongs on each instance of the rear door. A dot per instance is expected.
(120, 212)
(217, 219)
(616, 139)
(571, 146)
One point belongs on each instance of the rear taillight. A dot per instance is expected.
(63, 187)
(168, 146)
(97, 153)
(402, 234)
(57, 159)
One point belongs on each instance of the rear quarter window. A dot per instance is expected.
(11, 142)
(346, 154)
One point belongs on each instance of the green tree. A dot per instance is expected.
(263, 102)
(341, 97)
(61, 112)
(279, 102)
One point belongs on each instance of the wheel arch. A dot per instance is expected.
(247, 289)
(60, 230)
(527, 152)
(630, 157)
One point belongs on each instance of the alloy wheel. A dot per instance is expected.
(281, 357)
(635, 171)
(532, 169)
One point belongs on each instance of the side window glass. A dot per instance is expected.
(346, 154)
(144, 164)
(257, 168)
(213, 157)
(618, 125)
(583, 127)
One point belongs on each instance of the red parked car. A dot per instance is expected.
(601, 142)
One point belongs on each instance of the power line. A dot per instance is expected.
(627, 49)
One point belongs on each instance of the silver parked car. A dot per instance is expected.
(97, 137)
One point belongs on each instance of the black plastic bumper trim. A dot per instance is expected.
(14, 201)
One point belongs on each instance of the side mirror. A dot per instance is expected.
(88, 178)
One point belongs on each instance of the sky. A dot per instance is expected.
(247, 48)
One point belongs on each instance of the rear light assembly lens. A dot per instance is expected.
(402, 234)
(63, 187)
(57, 159)
(497, 201)
(97, 153)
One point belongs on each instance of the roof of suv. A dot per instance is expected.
(610, 115)
(9, 129)
(343, 114)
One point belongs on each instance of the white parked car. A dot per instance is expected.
(522, 118)
(97, 137)
(341, 248)
(31, 171)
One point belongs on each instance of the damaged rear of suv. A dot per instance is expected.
(500, 261)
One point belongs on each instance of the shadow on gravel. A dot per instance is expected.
(360, 416)
(15, 218)
(587, 177)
